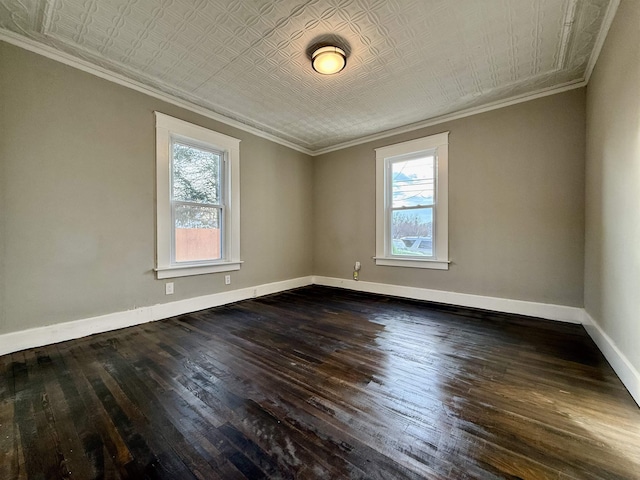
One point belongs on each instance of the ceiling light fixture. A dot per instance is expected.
(328, 60)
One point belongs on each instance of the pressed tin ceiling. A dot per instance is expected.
(409, 61)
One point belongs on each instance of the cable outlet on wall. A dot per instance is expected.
(168, 288)
(227, 279)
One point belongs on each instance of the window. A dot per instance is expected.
(198, 199)
(412, 203)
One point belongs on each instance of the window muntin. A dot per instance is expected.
(198, 199)
(412, 203)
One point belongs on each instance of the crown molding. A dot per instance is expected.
(88, 67)
(455, 116)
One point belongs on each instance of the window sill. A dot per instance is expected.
(412, 263)
(188, 270)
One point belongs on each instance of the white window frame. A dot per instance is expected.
(438, 145)
(169, 129)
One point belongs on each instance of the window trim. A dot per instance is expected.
(439, 145)
(168, 128)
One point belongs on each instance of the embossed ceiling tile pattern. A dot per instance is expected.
(19, 16)
(588, 21)
(409, 60)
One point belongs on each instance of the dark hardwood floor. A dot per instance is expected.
(320, 383)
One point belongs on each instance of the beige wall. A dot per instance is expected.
(612, 267)
(516, 205)
(77, 173)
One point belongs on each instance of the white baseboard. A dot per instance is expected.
(166, 310)
(627, 373)
(532, 309)
(37, 337)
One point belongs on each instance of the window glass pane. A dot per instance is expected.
(412, 232)
(412, 182)
(197, 233)
(196, 174)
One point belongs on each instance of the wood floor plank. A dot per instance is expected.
(136, 415)
(320, 383)
(10, 441)
(192, 424)
(103, 443)
(74, 408)
(238, 411)
(61, 418)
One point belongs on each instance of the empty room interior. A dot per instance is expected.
(320, 239)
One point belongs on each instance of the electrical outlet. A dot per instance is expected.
(357, 267)
(168, 288)
(227, 279)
